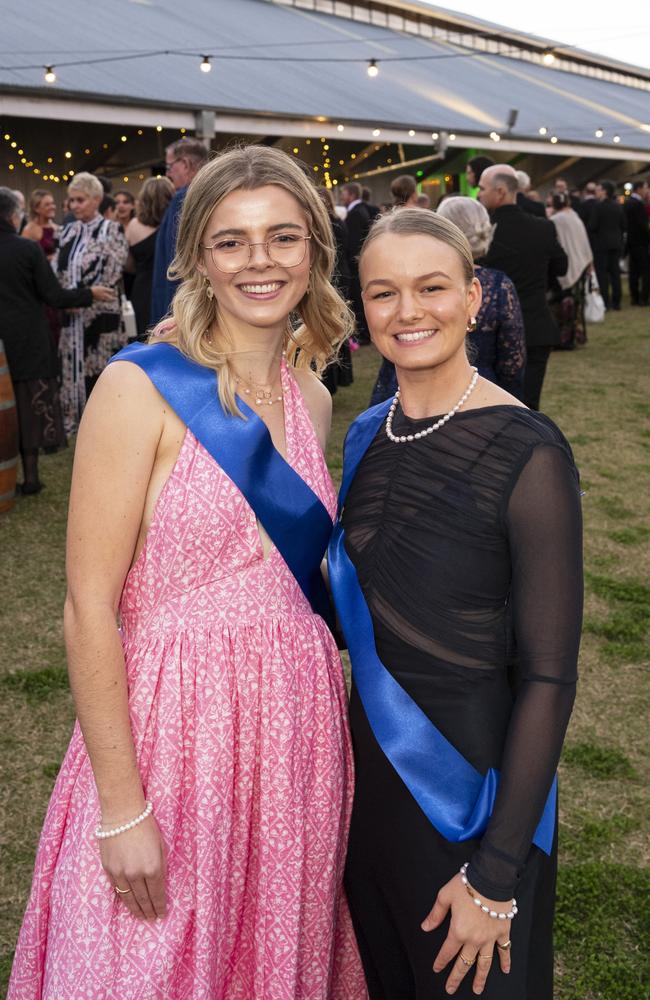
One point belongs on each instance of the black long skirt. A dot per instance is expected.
(397, 862)
(40, 421)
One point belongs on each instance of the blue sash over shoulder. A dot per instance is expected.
(456, 799)
(293, 516)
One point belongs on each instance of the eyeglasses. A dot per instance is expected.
(284, 249)
(168, 166)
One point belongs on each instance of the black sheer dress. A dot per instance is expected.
(468, 548)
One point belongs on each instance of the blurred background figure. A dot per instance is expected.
(497, 344)
(606, 228)
(153, 201)
(43, 230)
(26, 283)
(124, 207)
(340, 372)
(357, 226)
(527, 250)
(638, 243)
(366, 197)
(92, 250)
(568, 290)
(183, 160)
(475, 168)
(404, 191)
(423, 201)
(20, 197)
(524, 200)
(107, 207)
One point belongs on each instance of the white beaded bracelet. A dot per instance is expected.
(104, 834)
(512, 912)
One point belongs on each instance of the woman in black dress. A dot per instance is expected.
(463, 524)
(141, 232)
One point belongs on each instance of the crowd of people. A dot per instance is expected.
(536, 275)
(224, 823)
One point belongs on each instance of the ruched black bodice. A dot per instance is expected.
(467, 544)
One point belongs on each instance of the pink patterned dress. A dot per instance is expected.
(239, 716)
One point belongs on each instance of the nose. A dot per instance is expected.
(259, 256)
(410, 309)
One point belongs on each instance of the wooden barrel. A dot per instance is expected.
(8, 437)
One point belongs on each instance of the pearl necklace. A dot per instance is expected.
(403, 438)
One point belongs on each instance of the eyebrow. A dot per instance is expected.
(422, 277)
(242, 232)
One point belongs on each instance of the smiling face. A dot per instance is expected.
(46, 209)
(263, 293)
(124, 208)
(417, 300)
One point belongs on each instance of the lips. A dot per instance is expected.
(413, 336)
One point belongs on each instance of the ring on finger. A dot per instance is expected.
(122, 892)
(484, 958)
(466, 961)
(505, 946)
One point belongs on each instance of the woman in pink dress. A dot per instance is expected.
(194, 843)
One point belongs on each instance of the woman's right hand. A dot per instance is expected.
(101, 293)
(135, 860)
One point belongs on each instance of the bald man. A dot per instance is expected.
(525, 248)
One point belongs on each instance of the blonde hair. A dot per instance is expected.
(415, 222)
(87, 183)
(325, 318)
(35, 198)
(472, 219)
(153, 200)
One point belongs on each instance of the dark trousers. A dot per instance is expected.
(639, 275)
(608, 271)
(536, 361)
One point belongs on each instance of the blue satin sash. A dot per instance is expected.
(456, 799)
(293, 516)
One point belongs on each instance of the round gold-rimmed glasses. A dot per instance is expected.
(232, 254)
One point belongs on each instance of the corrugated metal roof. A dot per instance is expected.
(459, 90)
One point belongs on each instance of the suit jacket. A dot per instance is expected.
(606, 226)
(27, 282)
(373, 210)
(357, 225)
(531, 206)
(637, 223)
(162, 289)
(526, 248)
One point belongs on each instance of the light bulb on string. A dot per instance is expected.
(553, 139)
(376, 132)
(548, 57)
(616, 138)
(599, 133)
(206, 65)
(543, 130)
(339, 128)
(411, 132)
(50, 75)
(373, 68)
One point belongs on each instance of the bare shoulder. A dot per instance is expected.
(125, 397)
(489, 394)
(318, 400)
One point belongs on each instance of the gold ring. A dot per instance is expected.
(122, 892)
(485, 958)
(504, 947)
(466, 961)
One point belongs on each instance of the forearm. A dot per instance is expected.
(98, 681)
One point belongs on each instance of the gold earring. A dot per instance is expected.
(471, 325)
(208, 289)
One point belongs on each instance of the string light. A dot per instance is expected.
(543, 130)
(206, 65)
(452, 136)
(411, 132)
(599, 133)
(68, 154)
(122, 138)
(158, 128)
(548, 57)
(495, 137)
(50, 75)
(340, 128)
(553, 139)
(616, 138)
(373, 68)
(376, 132)
(434, 136)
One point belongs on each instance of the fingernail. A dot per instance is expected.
(424, 925)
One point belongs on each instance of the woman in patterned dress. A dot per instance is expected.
(223, 702)
(91, 251)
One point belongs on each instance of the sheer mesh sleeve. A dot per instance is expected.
(542, 517)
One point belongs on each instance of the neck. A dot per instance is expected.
(254, 354)
(430, 391)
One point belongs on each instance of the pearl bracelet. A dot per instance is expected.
(512, 912)
(104, 834)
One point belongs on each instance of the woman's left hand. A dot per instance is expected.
(472, 937)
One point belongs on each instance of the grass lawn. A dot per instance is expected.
(600, 397)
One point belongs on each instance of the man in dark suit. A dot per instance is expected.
(525, 203)
(526, 249)
(606, 228)
(373, 210)
(357, 225)
(638, 243)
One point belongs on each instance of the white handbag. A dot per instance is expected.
(128, 317)
(594, 305)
